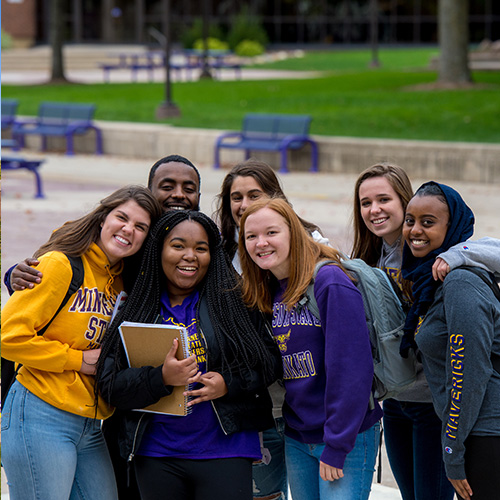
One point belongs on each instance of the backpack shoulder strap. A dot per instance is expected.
(495, 360)
(9, 371)
(309, 299)
(75, 284)
(490, 282)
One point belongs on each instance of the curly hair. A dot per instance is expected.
(229, 316)
(172, 159)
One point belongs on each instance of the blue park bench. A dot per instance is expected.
(15, 163)
(135, 62)
(59, 119)
(9, 110)
(270, 132)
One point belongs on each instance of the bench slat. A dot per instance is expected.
(9, 111)
(271, 132)
(60, 119)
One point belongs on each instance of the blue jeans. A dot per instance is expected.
(271, 479)
(302, 461)
(412, 433)
(51, 454)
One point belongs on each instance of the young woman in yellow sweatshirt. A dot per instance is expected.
(52, 445)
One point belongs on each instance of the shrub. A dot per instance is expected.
(249, 48)
(194, 33)
(246, 26)
(213, 44)
(6, 40)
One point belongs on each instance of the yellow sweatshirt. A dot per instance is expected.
(51, 361)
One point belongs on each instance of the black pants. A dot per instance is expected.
(183, 479)
(482, 466)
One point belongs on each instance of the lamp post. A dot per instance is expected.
(167, 109)
(374, 33)
(205, 70)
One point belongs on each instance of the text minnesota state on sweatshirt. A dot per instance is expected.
(328, 367)
(51, 362)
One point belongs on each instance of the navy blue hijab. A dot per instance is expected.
(419, 270)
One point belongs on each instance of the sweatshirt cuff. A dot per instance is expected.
(6, 280)
(333, 457)
(74, 361)
(453, 258)
(455, 471)
(158, 388)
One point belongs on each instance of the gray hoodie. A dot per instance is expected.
(457, 338)
(483, 253)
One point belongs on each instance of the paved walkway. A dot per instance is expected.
(73, 185)
(32, 77)
(82, 66)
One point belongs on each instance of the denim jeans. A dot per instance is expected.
(412, 433)
(302, 461)
(51, 454)
(271, 479)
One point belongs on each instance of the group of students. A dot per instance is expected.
(279, 397)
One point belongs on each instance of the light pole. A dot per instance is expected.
(374, 33)
(205, 70)
(167, 109)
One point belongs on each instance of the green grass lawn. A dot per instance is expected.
(349, 100)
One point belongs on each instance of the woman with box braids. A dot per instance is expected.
(186, 279)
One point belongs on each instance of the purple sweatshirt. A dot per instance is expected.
(328, 367)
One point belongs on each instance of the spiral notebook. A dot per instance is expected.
(147, 344)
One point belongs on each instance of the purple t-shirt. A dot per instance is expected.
(327, 366)
(197, 435)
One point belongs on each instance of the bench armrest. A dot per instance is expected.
(74, 125)
(18, 124)
(227, 135)
(288, 139)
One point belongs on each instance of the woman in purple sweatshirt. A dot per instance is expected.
(331, 433)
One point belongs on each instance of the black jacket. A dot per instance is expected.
(246, 406)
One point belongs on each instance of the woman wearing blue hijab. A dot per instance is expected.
(456, 326)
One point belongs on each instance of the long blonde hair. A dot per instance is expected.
(304, 254)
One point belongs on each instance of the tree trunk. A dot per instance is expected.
(453, 42)
(56, 40)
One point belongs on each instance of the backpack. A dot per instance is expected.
(385, 319)
(9, 370)
(495, 360)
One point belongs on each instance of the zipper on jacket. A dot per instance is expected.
(134, 442)
(268, 327)
(206, 355)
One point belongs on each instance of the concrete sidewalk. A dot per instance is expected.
(37, 77)
(73, 185)
(83, 65)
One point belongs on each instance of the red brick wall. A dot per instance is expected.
(18, 18)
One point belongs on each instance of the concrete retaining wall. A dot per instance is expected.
(475, 162)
